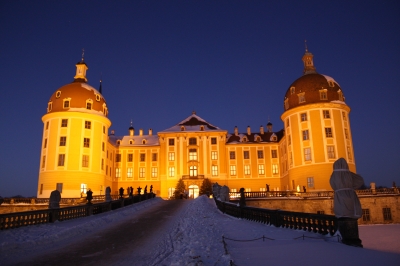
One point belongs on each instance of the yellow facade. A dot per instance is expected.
(316, 133)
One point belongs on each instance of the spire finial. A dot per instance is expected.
(305, 43)
(193, 112)
(131, 122)
(101, 87)
(83, 54)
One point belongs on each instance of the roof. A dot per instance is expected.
(126, 141)
(255, 137)
(193, 123)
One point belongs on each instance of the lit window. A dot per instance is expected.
(141, 172)
(246, 155)
(192, 155)
(154, 172)
(88, 124)
(171, 171)
(331, 152)
(142, 157)
(213, 141)
(310, 182)
(328, 132)
(214, 170)
(193, 170)
(260, 154)
(86, 142)
(247, 169)
(326, 114)
(154, 157)
(58, 94)
(117, 172)
(232, 155)
(233, 169)
(64, 122)
(302, 98)
(305, 135)
(171, 142)
(214, 155)
(274, 153)
(117, 158)
(66, 104)
(104, 130)
(83, 188)
(130, 157)
(275, 169)
(97, 97)
(63, 141)
(192, 141)
(261, 170)
(303, 117)
(171, 156)
(61, 159)
(307, 154)
(129, 173)
(85, 160)
(323, 94)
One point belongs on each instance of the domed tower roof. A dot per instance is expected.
(312, 87)
(78, 96)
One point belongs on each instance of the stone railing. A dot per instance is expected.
(18, 219)
(185, 177)
(318, 223)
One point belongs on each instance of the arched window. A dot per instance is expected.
(182, 128)
(144, 141)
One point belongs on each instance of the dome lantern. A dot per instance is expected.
(308, 62)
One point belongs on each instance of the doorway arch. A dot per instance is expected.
(193, 191)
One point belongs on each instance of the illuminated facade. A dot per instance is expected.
(78, 153)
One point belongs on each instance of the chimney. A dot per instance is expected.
(150, 132)
(112, 132)
(248, 130)
(236, 131)
(140, 132)
(261, 130)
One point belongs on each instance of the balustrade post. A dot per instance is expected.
(53, 215)
(89, 209)
(33, 201)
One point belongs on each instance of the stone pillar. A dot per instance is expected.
(348, 229)
(373, 188)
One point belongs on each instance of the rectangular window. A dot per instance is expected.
(154, 157)
(171, 156)
(291, 159)
(344, 116)
(214, 170)
(214, 155)
(287, 122)
(117, 172)
(232, 155)
(247, 169)
(171, 171)
(89, 106)
(59, 187)
(328, 132)
(154, 172)
(302, 98)
(102, 146)
(305, 135)
(331, 152)
(233, 169)
(88, 124)
(349, 153)
(129, 173)
(86, 142)
(260, 154)
(346, 133)
(192, 141)
(366, 215)
(41, 189)
(192, 155)
(47, 125)
(320, 212)
(85, 160)
(43, 161)
(261, 170)
(63, 141)
(274, 153)
(45, 144)
(117, 158)
(104, 130)
(387, 214)
(275, 169)
(307, 154)
(326, 114)
(130, 157)
(213, 141)
(106, 169)
(142, 157)
(102, 164)
(310, 182)
(246, 155)
(64, 122)
(323, 95)
(61, 159)
(141, 172)
(303, 117)
(83, 188)
(171, 142)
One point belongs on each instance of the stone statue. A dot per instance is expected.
(121, 192)
(145, 189)
(139, 189)
(224, 193)
(55, 198)
(131, 192)
(267, 187)
(89, 196)
(151, 188)
(216, 188)
(108, 194)
(242, 201)
(304, 189)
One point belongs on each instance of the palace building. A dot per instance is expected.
(78, 152)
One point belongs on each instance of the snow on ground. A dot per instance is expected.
(196, 239)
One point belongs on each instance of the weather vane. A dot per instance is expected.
(83, 54)
(305, 43)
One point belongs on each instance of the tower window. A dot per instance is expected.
(61, 159)
(331, 152)
(323, 95)
(86, 142)
(89, 106)
(326, 114)
(88, 124)
(85, 160)
(340, 94)
(58, 94)
(303, 117)
(64, 122)
(97, 97)
(49, 106)
(307, 154)
(328, 132)
(306, 135)
(302, 97)
(63, 141)
(286, 103)
(66, 104)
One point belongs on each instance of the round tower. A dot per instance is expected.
(317, 128)
(74, 141)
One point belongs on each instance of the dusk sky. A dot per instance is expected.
(230, 61)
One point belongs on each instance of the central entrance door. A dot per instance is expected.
(193, 191)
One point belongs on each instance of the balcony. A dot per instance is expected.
(186, 177)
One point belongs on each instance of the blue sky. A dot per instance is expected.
(230, 61)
